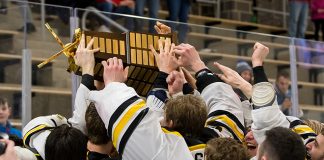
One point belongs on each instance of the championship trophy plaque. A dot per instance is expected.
(131, 47)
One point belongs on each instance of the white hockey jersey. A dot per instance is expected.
(134, 128)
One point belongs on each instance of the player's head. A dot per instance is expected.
(316, 148)
(97, 133)
(281, 144)
(251, 143)
(225, 149)
(186, 114)
(66, 143)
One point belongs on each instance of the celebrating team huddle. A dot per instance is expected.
(184, 117)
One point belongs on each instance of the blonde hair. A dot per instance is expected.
(188, 113)
(315, 125)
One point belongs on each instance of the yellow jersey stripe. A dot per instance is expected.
(196, 147)
(230, 123)
(173, 132)
(39, 127)
(303, 129)
(124, 120)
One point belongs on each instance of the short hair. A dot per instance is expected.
(97, 133)
(188, 113)
(3, 101)
(322, 131)
(316, 126)
(284, 74)
(66, 143)
(225, 149)
(282, 144)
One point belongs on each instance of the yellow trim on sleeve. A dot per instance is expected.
(124, 120)
(32, 131)
(171, 132)
(303, 129)
(196, 147)
(228, 121)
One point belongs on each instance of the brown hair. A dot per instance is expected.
(3, 101)
(225, 149)
(284, 74)
(97, 133)
(188, 113)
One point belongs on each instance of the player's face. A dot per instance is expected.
(316, 148)
(4, 113)
(251, 143)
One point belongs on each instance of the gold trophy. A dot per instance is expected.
(131, 47)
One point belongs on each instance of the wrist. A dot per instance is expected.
(198, 66)
(246, 88)
(87, 70)
(168, 71)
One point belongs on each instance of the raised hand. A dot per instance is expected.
(166, 60)
(189, 78)
(189, 57)
(259, 54)
(175, 82)
(84, 56)
(161, 28)
(232, 78)
(114, 71)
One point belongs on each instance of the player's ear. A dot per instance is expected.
(169, 124)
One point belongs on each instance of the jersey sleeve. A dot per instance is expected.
(36, 131)
(225, 113)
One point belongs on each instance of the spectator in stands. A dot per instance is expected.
(119, 6)
(244, 70)
(179, 10)
(225, 149)
(5, 125)
(153, 7)
(99, 144)
(298, 18)
(283, 92)
(3, 6)
(317, 14)
(281, 144)
(29, 22)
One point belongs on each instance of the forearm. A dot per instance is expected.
(259, 75)
(80, 105)
(88, 81)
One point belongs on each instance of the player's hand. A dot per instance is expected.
(161, 28)
(10, 153)
(84, 56)
(114, 71)
(189, 78)
(175, 82)
(232, 78)
(189, 57)
(166, 60)
(259, 54)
